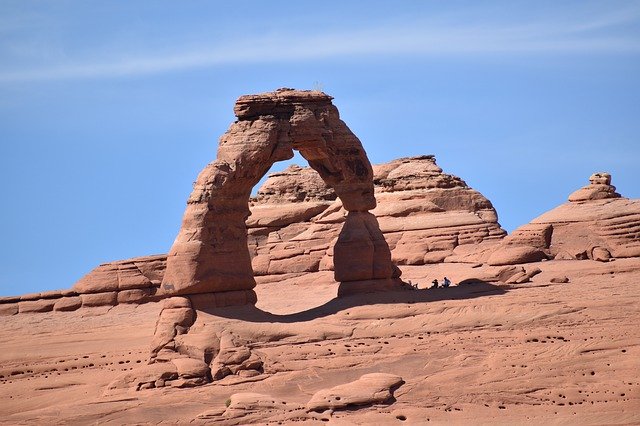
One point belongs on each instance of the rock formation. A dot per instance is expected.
(599, 188)
(597, 223)
(425, 215)
(369, 389)
(210, 253)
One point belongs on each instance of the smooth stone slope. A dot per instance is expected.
(596, 223)
(479, 353)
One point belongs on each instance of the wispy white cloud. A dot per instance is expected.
(591, 34)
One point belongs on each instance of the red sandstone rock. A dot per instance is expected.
(515, 254)
(189, 368)
(597, 227)
(210, 253)
(369, 389)
(144, 377)
(599, 188)
(41, 305)
(136, 295)
(309, 342)
(99, 299)
(423, 213)
(138, 272)
(7, 309)
(68, 303)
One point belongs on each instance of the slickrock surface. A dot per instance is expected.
(473, 353)
(542, 326)
(597, 223)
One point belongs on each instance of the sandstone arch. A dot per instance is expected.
(210, 253)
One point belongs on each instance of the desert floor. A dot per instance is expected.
(470, 354)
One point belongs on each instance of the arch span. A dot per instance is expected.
(210, 253)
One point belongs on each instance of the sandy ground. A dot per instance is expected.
(471, 354)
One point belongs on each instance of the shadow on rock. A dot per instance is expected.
(468, 289)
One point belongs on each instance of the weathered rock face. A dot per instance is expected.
(599, 188)
(210, 253)
(596, 223)
(135, 273)
(425, 216)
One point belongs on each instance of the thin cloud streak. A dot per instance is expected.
(419, 40)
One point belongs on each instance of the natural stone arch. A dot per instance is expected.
(210, 253)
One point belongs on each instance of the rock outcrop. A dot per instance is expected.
(373, 388)
(596, 223)
(425, 215)
(210, 253)
(133, 280)
(599, 188)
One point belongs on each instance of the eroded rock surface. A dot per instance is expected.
(599, 188)
(210, 253)
(596, 223)
(425, 216)
(369, 389)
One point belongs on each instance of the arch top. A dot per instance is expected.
(280, 101)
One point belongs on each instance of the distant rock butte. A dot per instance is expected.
(597, 223)
(424, 214)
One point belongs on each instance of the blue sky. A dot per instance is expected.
(108, 110)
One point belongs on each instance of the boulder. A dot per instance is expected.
(40, 305)
(233, 358)
(99, 299)
(144, 377)
(189, 368)
(514, 255)
(68, 303)
(374, 388)
(599, 188)
(600, 254)
(7, 309)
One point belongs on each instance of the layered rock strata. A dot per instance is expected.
(425, 215)
(210, 252)
(131, 281)
(596, 223)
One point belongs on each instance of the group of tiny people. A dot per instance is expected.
(445, 283)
